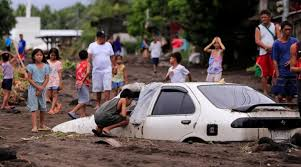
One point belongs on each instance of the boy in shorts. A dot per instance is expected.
(155, 49)
(82, 84)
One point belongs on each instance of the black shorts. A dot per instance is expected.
(155, 61)
(7, 84)
(8, 48)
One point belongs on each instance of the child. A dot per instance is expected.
(38, 77)
(155, 48)
(82, 84)
(120, 76)
(215, 61)
(145, 51)
(8, 75)
(55, 80)
(177, 72)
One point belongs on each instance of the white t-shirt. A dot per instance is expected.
(155, 49)
(101, 56)
(266, 37)
(177, 74)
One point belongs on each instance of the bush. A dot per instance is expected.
(131, 47)
(69, 65)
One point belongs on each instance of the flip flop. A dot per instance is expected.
(51, 112)
(106, 134)
(45, 128)
(14, 111)
(73, 116)
(96, 133)
(34, 130)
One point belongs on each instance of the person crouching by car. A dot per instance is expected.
(112, 114)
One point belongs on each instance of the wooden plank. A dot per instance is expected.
(109, 141)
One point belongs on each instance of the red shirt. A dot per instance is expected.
(298, 64)
(81, 71)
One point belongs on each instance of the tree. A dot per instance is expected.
(201, 20)
(20, 11)
(7, 21)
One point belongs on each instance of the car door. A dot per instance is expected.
(174, 114)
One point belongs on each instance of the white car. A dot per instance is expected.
(201, 111)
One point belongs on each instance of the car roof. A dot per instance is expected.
(197, 84)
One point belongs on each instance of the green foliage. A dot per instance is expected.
(69, 65)
(7, 21)
(99, 10)
(20, 11)
(131, 47)
(201, 20)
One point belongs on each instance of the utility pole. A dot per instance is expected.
(28, 9)
(285, 10)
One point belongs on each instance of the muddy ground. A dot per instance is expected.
(55, 149)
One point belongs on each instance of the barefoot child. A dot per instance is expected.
(7, 82)
(55, 80)
(112, 114)
(120, 76)
(177, 72)
(215, 61)
(38, 77)
(82, 84)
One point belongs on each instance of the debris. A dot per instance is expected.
(7, 154)
(109, 141)
(31, 138)
(296, 139)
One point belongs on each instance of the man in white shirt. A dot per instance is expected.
(100, 53)
(265, 35)
(155, 49)
(177, 73)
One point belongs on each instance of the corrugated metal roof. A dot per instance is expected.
(59, 33)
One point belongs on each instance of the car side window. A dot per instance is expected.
(173, 102)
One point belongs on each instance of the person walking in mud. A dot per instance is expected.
(285, 79)
(22, 47)
(156, 50)
(144, 47)
(113, 114)
(101, 52)
(295, 66)
(265, 35)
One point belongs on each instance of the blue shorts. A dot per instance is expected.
(155, 61)
(7, 84)
(116, 85)
(83, 95)
(285, 86)
(54, 88)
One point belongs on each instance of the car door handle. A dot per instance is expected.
(186, 122)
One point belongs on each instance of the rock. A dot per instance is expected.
(267, 144)
(296, 139)
(7, 154)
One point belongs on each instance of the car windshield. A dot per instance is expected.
(233, 96)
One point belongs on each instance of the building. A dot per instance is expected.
(30, 27)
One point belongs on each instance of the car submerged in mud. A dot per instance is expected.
(200, 111)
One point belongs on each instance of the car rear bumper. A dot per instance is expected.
(267, 122)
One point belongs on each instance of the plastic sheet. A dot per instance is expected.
(146, 95)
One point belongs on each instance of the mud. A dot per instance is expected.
(56, 149)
